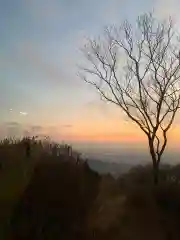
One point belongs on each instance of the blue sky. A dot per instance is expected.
(39, 50)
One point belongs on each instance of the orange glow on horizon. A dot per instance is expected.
(126, 138)
(111, 131)
(106, 137)
(105, 132)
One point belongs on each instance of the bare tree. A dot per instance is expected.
(137, 69)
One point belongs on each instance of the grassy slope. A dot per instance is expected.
(127, 208)
(14, 177)
(56, 203)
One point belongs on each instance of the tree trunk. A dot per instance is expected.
(155, 162)
(156, 173)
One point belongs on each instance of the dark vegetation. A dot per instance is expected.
(53, 194)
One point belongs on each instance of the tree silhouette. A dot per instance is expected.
(137, 69)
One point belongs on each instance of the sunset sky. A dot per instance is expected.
(40, 91)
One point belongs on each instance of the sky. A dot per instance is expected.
(40, 91)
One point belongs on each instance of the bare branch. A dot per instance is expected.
(138, 70)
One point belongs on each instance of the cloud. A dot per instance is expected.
(36, 128)
(30, 54)
(59, 26)
(23, 113)
(54, 10)
(11, 129)
(166, 8)
(44, 10)
(67, 126)
(12, 124)
(35, 60)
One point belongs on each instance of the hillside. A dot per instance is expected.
(48, 196)
(56, 203)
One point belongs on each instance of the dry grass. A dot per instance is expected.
(84, 203)
(15, 174)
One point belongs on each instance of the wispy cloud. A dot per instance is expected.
(37, 62)
(23, 113)
(11, 129)
(166, 8)
(67, 126)
(41, 10)
(12, 124)
(36, 129)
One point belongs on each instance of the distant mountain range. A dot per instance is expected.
(119, 168)
(102, 167)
